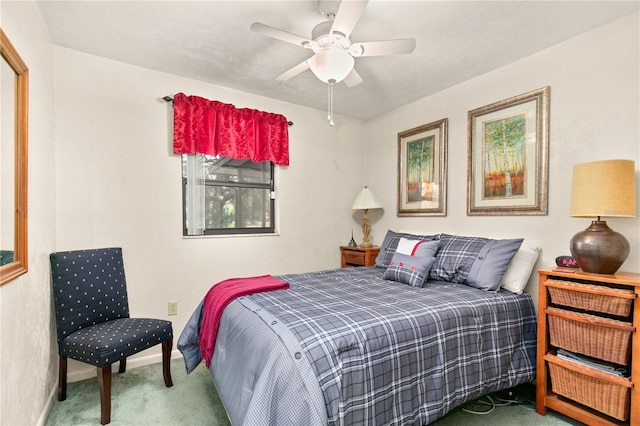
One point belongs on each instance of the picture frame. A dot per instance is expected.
(507, 170)
(422, 170)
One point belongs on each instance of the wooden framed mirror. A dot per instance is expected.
(14, 100)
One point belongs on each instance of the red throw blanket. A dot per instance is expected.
(219, 296)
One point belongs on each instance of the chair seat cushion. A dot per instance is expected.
(105, 343)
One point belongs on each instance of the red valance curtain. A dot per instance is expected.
(210, 127)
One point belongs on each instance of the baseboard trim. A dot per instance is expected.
(133, 362)
(42, 420)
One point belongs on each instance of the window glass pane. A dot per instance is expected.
(223, 169)
(218, 212)
(236, 195)
(235, 207)
(253, 208)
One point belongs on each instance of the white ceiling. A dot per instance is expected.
(211, 41)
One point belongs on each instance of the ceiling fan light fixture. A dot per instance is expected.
(331, 63)
(333, 59)
(322, 30)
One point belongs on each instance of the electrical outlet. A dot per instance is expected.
(173, 308)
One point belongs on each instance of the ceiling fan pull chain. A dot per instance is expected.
(329, 102)
(331, 83)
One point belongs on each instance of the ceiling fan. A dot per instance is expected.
(333, 59)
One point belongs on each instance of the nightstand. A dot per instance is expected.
(596, 315)
(358, 256)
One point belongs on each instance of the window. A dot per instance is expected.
(237, 196)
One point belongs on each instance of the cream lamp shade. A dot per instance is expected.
(602, 188)
(366, 200)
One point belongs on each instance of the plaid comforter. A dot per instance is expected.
(388, 353)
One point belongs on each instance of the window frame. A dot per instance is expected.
(271, 230)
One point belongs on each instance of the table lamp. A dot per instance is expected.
(602, 188)
(366, 200)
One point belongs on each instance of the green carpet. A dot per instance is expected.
(139, 397)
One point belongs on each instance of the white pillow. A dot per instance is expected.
(517, 275)
(417, 247)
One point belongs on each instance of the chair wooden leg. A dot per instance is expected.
(123, 366)
(62, 378)
(166, 362)
(104, 380)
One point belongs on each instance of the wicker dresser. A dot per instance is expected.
(593, 315)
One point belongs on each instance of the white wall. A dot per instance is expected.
(28, 361)
(110, 179)
(594, 115)
(118, 184)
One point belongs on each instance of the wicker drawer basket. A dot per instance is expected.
(602, 338)
(591, 297)
(590, 387)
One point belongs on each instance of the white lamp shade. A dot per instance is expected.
(331, 63)
(604, 188)
(366, 200)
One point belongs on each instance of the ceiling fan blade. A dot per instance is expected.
(293, 71)
(347, 16)
(387, 47)
(353, 78)
(272, 32)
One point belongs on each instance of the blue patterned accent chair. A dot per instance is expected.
(92, 318)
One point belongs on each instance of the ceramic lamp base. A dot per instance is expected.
(599, 249)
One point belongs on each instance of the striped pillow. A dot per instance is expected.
(390, 244)
(417, 247)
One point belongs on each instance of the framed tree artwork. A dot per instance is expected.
(507, 170)
(422, 170)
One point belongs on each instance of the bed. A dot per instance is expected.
(352, 346)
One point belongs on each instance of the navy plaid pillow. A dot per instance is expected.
(475, 261)
(390, 244)
(455, 257)
(407, 269)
